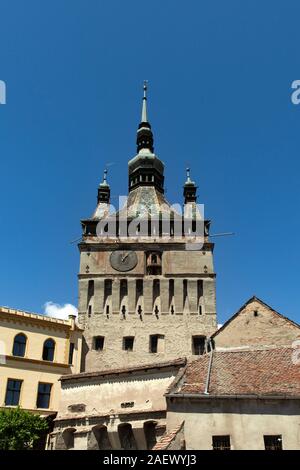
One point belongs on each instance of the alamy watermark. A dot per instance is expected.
(2, 92)
(295, 96)
(150, 222)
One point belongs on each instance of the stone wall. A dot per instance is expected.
(176, 305)
(246, 421)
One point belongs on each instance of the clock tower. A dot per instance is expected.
(146, 280)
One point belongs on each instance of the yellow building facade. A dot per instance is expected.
(35, 351)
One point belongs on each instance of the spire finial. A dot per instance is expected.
(104, 182)
(144, 107)
(188, 172)
(145, 88)
(105, 176)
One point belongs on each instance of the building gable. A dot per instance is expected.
(256, 324)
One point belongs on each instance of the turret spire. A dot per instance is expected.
(190, 188)
(104, 189)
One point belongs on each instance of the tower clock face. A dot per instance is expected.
(123, 260)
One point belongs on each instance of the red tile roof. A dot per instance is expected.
(250, 372)
(166, 439)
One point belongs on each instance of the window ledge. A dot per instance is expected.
(38, 361)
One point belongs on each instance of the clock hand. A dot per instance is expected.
(124, 257)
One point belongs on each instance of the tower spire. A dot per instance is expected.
(144, 105)
(145, 169)
(144, 134)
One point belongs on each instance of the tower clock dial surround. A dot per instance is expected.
(123, 260)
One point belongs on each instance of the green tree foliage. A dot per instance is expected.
(20, 429)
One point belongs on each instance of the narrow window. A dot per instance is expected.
(123, 290)
(221, 442)
(139, 289)
(13, 391)
(107, 289)
(91, 289)
(156, 290)
(171, 296)
(90, 311)
(71, 353)
(185, 291)
(198, 345)
(99, 343)
(153, 343)
(128, 343)
(19, 345)
(43, 396)
(48, 350)
(273, 442)
(199, 295)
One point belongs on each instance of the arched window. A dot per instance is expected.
(48, 350)
(68, 438)
(19, 345)
(126, 437)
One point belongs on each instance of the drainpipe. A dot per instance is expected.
(206, 392)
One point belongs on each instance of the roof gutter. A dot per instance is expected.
(232, 396)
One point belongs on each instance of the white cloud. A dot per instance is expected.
(59, 311)
(220, 325)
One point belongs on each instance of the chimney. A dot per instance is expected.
(72, 319)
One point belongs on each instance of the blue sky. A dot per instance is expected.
(220, 77)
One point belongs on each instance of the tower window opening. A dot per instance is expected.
(273, 442)
(153, 343)
(128, 342)
(99, 343)
(198, 345)
(221, 443)
(154, 262)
